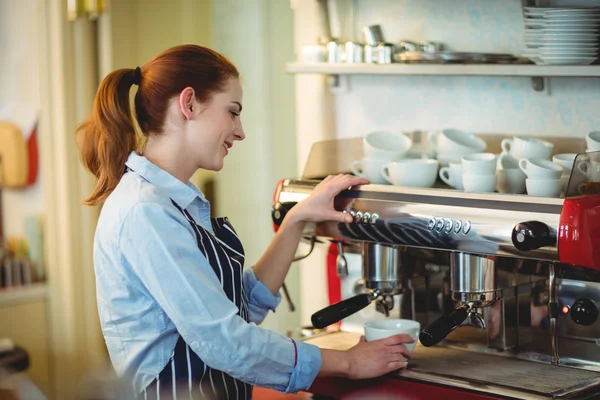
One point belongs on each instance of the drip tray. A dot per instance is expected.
(509, 377)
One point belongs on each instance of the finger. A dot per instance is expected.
(396, 365)
(346, 182)
(341, 217)
(402, 350)
(362, 340)
(398, 339)
(403, 355)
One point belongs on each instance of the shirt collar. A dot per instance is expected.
(182, 193)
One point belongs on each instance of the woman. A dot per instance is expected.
(177, 311)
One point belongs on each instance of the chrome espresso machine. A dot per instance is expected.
(506, 287)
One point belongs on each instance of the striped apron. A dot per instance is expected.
(186, 376)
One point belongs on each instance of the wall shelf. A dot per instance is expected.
(23, 294)
(524, 70)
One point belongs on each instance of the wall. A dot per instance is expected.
(399, 103)
(20, 98)
(257, 36)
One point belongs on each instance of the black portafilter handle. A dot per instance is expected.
(443, 326)
(279, 211)
(338, 311)
(532, 235)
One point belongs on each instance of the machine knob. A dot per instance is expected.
(584, 312)
(279, 211)
(532, 235)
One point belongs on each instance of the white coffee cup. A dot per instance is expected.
(480, 164)
(537, 168)
(369, 169)
(524, 147)
(543, 187)
(511, 181)
(386, 146)
(565, 160)
(411, 172)
(480, 183)
(592, 140)
(452, 175)
(456, 143)
(591, 169)
(506, 161)
(384, 328)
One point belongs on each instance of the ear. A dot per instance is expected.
(187, 103)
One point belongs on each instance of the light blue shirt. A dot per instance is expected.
(154, 284)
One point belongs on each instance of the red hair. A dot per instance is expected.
(108, 136)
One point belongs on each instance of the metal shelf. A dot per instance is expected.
(508, 70)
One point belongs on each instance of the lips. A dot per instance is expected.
(227, 145)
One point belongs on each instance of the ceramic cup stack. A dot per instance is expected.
(592, 140)
(451, 145)
(479, 172)
(511, 179)
(379, 148)
(566, 161)
(543, 177)
(452, 175)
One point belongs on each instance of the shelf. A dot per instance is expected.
(23, 294)
(525, 70)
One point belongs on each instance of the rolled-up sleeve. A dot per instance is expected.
(260, 298)
(167, 260)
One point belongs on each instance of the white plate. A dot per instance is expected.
(567, 62)
(572, 19)
(567, 53)
(584, 31)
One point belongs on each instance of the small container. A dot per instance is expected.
(373, 35)
(354, 53)
(334, 52)
(370, 54)
(431, 47)
(384, 53)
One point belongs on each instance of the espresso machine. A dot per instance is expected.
(506, 287)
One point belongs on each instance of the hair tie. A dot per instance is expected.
(137, 76)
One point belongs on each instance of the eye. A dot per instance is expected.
(234, 114)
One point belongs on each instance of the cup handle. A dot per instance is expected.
(432, 138)
(523, 165)
(505, 145)
(385, 173)
(445, 175)
(584, 167)
(355, 166)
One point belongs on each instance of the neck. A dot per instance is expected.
(169, 155)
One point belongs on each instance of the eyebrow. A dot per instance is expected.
(239, 105)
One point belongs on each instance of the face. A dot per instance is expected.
(211, 128)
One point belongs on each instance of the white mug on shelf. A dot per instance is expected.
(480, 183)
(369, 169)
(592, 140)
(411, 172)
(386, 146)
(511, 181)
(538, 168)
(456, 143)
(544, 187)
(452, 175)
(524, 147)
(480, 164)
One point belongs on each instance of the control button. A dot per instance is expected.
(358, 217)
(439, 225)
(584, 312)
(366, 218)
(374, 218)
(431, 224)
(448, 226)
(352, 213)
(457, 226)
(466, 227)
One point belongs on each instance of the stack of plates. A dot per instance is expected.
(562, 36)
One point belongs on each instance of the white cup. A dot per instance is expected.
(386, 146)
(592, 140)
(506, 161)
(543, 187)
(480, 164)
(455, 143)
(524, 147)
(591, 169)
(480, 183)
(411, 172)
(384, 328)
(369, 169)
(511, 181)
(565, 160)
(452, 175)
(537, 168)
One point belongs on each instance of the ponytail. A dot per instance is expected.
(108, 136)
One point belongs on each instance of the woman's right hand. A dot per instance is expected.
(379, 357)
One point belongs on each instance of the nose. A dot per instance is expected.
(239, 133)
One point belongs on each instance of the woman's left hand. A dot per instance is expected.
(318, 207)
